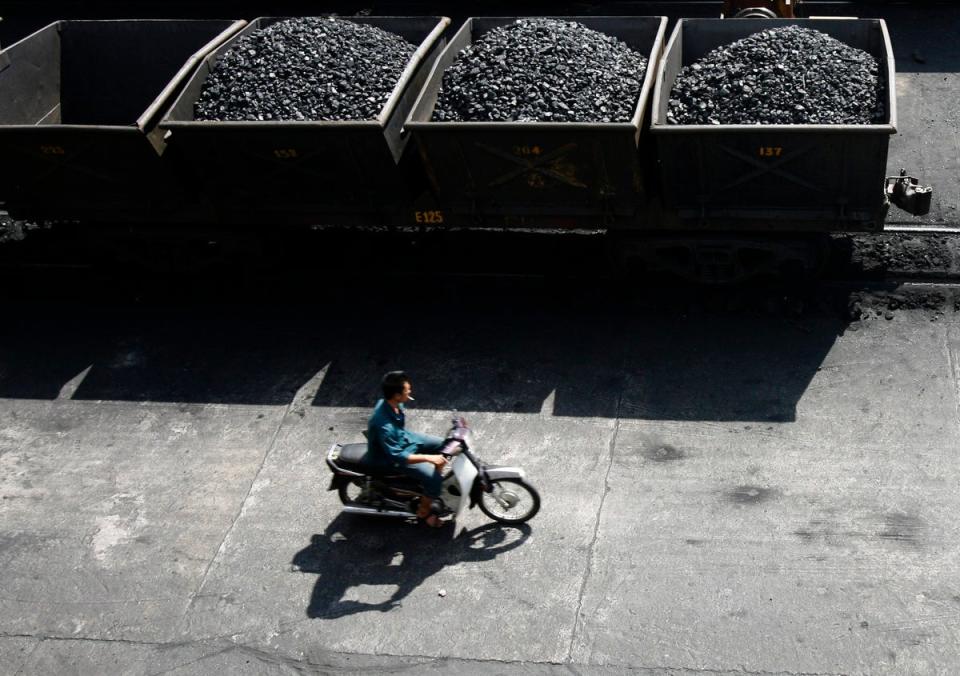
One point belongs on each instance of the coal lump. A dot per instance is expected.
(302, 69)
(546, 70)
(784, 75)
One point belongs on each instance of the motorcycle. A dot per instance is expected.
(502, 493)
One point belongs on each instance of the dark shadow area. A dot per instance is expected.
(226, 360)
(509, 362)
(701, 366)
(41, 354)
(357, 551)
(723, 368)
(560, 338)
(134, 355)
(685, 363)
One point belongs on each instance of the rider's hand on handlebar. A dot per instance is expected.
(438, 461)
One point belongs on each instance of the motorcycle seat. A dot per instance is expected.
(351, 458)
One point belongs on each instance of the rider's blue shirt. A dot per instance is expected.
(388, 443)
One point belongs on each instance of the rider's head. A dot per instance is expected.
(396, 387)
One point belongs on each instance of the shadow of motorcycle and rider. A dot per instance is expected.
(353, 553)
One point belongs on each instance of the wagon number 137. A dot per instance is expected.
(771, 151)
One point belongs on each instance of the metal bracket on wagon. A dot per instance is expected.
(907, 193)
(760, 9)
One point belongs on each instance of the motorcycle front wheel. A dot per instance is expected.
(510, 501)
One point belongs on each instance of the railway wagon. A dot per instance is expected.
(79, 106)
(306, 172)
(539, 172)
(798, 176)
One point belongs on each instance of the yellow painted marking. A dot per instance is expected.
(527, 151)
(428, 217)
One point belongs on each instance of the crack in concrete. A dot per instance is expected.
(306, 666)
(953, 365)
(222, 645)
(183, 665)
(567, 666)
(88, 639)
(119, 602)
(302, 396)
(27, 659)
(592, 550)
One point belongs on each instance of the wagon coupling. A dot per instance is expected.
(907, 193)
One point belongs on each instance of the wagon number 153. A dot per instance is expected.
(771, 151)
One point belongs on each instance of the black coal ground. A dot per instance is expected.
(542, 70)
(317, 69)
(787, 75)
(864, 306)
(884, 256)
(871, 258)
(896, 253)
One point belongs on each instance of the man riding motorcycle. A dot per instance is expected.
(391, 446)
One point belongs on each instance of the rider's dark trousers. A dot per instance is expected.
(425, 472)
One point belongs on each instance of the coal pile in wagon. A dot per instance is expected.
(317, 69)
(787, 75)
(542, 70)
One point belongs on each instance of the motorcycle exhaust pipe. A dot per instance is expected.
(371, 511)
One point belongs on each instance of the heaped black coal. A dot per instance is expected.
(306, 69)
(545, 70)
(786, 75)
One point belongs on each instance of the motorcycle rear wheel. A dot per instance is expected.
(510, 501)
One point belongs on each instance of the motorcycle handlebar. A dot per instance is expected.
(452, 447)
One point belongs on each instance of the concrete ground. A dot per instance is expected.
(723, 493)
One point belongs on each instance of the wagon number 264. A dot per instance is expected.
(771, 151)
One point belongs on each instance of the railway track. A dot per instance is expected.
(925, 230)
(900, 254)
(906, 254)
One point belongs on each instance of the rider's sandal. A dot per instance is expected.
(434, 521)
